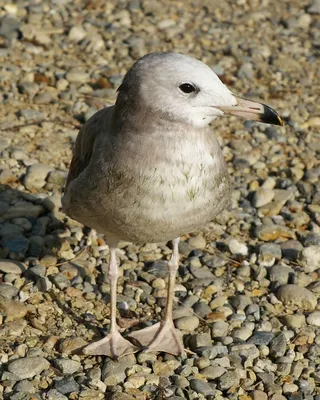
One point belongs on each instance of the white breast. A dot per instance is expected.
(182, 186)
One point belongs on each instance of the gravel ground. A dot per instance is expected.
(247, 296)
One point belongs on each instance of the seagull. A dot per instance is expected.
(149, 169)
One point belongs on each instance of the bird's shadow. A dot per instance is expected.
(18, 207)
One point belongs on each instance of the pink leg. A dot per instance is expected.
(163, 336)
(113, 345)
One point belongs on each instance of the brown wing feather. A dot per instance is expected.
(85, 142)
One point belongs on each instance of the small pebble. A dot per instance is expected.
(237, 248)
(296, 296)
(314, 318)
(202, 387)
(66, 385)
(67, 366)
(28, 367)
(187, 323)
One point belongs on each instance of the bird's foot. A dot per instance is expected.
(113, 345)
(162, 336)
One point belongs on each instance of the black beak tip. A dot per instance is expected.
(270, 116)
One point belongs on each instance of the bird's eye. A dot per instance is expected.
(187, 88)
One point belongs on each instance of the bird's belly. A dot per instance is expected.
(156, 199)
(171, 202)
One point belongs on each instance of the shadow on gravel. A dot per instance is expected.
(35, 237)
(31, 227)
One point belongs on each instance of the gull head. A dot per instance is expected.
(183, 89)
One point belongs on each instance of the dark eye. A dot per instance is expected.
(187, 88)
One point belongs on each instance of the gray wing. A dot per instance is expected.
(96, 126)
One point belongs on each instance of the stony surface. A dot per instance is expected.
(247, 294)
(28, 367)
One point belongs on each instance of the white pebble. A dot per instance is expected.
(237, 248)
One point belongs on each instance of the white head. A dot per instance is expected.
(183, 89)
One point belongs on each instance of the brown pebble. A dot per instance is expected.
(50, 343)
(72, 345)
(12, 309)
(73, 292)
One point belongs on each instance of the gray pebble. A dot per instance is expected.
(158, 269)
(43, 98)
(214, 261)
(9, 26)
(246, 71)
(113, 372)
(180, 381)
(25, 386)
(201, 272)
(240, 301)
(44, 284)
(219, 329)
(278, 346)
(314, 7)
(3, 207)
(261, 338)
(190, 300)
(208, 352)
(253, 309)
(29, 115)
(243, 333)
(258, 395)
(29, 88)
(67, 385)
(280, 274)
(202, 362)
(212, 372)
(57, 177)
(228, 380)
(202, 387)
(8, 291)
(17, 246)
(8, 229)
(187, 323)
(245, 350)
(36, 176)
(269, 253)
(294, 321)
(262, 197)
(296, 296)
(36, 271)
(24, 223)
(314, 318)
(312, 239)
(61, 281)
(54, 394)
(67, 366)
(309, 258)
(201, 309)
(185, 370)
(28, 367)
(199, 340)
(290, 249)
(23, 209)
(314, 352)
(11, 267)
